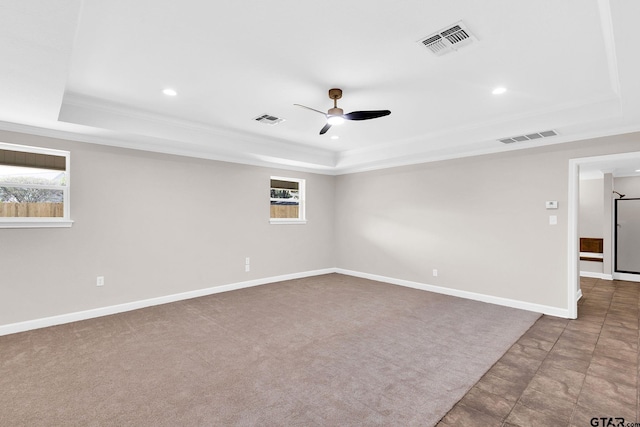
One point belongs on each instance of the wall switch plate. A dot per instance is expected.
(247, 268)
(435, 272)
(551, 204)
(553, 220)
(247, 261)
(100, 281)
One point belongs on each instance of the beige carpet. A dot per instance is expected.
(328, 350)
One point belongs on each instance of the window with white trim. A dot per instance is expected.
(34, 187)
(287, 200)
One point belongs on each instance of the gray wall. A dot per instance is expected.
(480, 221)
(629, 186)
(156, 225)
(592, 208)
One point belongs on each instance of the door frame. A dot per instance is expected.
(618, 274)
(574, 292)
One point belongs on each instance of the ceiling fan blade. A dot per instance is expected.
(312, 109)
(366, 115)
(325, 129)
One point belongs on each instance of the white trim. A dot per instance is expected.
(302, 201)
(579, 294)
(591, 255)
(43, 222)
(38, 223)
(596, 275)
(573, 248)
(331, 168)
(429, 157)
(538, 308)
(153, 145)
(287, 221)
(36, 186)
(66, 206)
(606, 22)
(629, 277)
(28, 325)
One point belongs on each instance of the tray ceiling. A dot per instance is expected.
(95, 71)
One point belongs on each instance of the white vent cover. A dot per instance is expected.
(448, 39)
(529, 137)
(268, 119)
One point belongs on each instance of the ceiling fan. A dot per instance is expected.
(336, 116)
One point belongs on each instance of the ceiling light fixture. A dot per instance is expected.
(499, 90)
(336, 116)
(335, 120)
(169, 92)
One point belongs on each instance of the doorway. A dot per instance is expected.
(613, 164)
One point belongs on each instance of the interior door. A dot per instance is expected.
(627, 251)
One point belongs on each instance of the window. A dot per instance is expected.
(287, 201)
(34, 187)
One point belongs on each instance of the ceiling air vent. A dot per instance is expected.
(529, 137)
(268, 119)
(448, 39)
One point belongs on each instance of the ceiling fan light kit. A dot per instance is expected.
(335, 120)
(336, 116)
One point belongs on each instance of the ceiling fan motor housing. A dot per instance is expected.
(335, 93)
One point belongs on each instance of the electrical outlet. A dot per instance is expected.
(247, 261)
(100, 281)
(247, 268)
(435, 272)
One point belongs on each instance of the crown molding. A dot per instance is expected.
(409, 159)
(167, 130)
(151, 144)
(136, 142)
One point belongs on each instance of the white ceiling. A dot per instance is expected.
(94, 71)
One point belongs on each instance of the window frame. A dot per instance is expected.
(43, 222)
(302, 205)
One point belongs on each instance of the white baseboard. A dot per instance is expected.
(629, 277)
(28, 325)
(596, 275)
(538, 308)
(578, 294)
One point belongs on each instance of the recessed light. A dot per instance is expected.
(335, 137)
(499, 90)
(637, 170)
(169, 92)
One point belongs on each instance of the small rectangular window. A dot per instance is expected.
(287, 200)
(34, 187)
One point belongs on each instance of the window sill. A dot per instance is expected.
(287, 221)
(35, 223)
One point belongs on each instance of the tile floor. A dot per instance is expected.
(565, 372)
